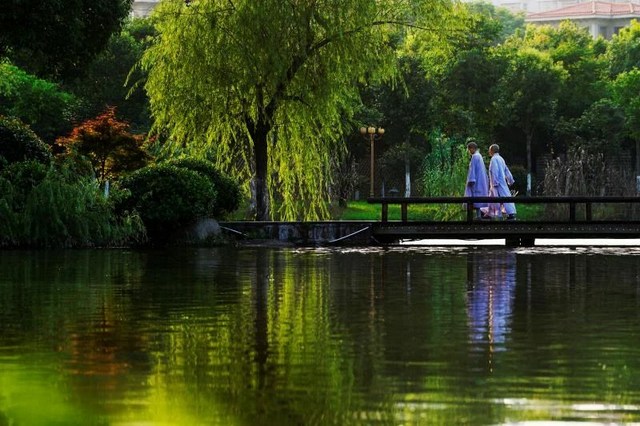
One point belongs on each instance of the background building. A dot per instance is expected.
(536, 6)
(142, 8)
(598, 17)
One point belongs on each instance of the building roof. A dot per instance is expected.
(590, 9)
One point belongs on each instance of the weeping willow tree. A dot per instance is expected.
(268, 86)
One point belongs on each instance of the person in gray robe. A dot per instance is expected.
(500, 179)
(477, 181)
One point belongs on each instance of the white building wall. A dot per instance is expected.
(535, 6)
(142, 8)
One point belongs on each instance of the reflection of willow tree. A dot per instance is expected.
(245, 360)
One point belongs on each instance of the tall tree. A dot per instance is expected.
(469, 80)
(54, 38)
(406, 113)
(625, 93)
(103, 83)
(572, 48)
(529, 94)
(270, 82)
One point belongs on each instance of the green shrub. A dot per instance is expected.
(19, 143)
(228, 191)
(167, 197)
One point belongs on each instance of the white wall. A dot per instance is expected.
(142, 8)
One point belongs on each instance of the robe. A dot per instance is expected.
(478, 175)
(500, 179)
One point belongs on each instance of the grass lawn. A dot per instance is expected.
(361, 210)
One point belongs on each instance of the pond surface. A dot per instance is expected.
(441, 336)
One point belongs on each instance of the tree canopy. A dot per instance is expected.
(269, 86)
(39, 103)
(52, 38)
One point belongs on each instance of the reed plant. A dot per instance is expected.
(587, 173)
(61, 209)
(444, 174)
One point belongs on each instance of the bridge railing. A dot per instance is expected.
(572, 202)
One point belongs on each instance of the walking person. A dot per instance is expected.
(477, 181)
(500, 179)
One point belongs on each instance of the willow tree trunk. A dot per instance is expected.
(260, 178)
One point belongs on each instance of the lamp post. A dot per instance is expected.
(373, 134)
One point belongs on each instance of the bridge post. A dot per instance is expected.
(469, 212)
(520, 241)
(588, 212)
(572, 212)
(512, 241)
(403, 208)
(385, 212)
(527, 242)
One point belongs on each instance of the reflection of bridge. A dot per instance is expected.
(515, 233)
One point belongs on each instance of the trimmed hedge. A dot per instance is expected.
(228, 190)
(167, 197)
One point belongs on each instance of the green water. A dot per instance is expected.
(302, 337)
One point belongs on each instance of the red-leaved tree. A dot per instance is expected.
(108, 145)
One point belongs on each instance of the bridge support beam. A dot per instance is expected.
(520, 242)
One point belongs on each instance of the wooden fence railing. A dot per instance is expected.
(572, 202)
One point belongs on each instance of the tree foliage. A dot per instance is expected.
(506, 22)
(626, 87)
(55, 37)
(267, 84)
(572, 48)
(623, 51)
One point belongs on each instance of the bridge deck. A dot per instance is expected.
(519, 229)
(515, 232)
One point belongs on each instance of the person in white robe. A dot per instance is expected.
(477, 181)
(500, 179)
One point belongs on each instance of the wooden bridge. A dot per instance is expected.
(579, 222)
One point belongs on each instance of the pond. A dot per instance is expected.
(245, 336)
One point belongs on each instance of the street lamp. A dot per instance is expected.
(373, 134)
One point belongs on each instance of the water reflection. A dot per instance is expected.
(491, 280)
(262, 336)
